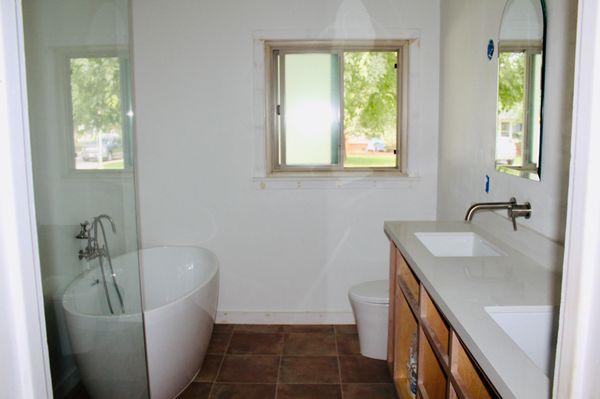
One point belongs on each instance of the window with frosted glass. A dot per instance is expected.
(335, 108)
(312, 95)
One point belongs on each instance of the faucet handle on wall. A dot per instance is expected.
(518, 210)
(84, 231)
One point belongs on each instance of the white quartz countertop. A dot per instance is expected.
(463, 286)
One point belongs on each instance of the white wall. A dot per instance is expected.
(284, 249)
(24, 371)
(468, 114)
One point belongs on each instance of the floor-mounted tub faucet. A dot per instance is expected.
(93, 250)
(513, 209)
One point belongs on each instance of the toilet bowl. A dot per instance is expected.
(370, 302)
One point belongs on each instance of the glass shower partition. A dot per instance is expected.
(79, 94)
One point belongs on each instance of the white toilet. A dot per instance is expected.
(370, 302)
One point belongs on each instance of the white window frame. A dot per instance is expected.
(276, 109)
(65, 55)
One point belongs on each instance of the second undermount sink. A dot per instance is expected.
(533, 329)
(457, 244)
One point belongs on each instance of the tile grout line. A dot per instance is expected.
(279, 365)
(278, 373)
(337, 353)
(212, 387)
(292, 383)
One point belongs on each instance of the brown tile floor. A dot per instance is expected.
(288, 362)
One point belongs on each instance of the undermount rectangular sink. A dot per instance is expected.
(457, 244)
(533, 329)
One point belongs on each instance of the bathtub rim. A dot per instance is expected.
(125, 316)
(210, 277)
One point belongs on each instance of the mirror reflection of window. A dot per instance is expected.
(519, 105)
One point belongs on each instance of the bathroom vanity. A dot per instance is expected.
(478, 315)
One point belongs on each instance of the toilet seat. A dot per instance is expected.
(376, 292)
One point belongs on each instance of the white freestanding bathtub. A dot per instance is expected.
(180, 289)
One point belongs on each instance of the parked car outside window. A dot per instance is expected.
(108, 148)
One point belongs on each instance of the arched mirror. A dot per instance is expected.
(520, 88)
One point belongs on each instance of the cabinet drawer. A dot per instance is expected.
(435, 327)
(407, 281)
(392, 295)
(432, 379)
(405, 333)
(470, 382)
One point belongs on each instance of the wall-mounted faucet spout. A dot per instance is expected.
(513, 209)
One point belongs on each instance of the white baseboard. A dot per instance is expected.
(244, 317)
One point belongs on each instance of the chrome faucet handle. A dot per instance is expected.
(84, 231)
(512, 216)
(87, 254)
(516, 211)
